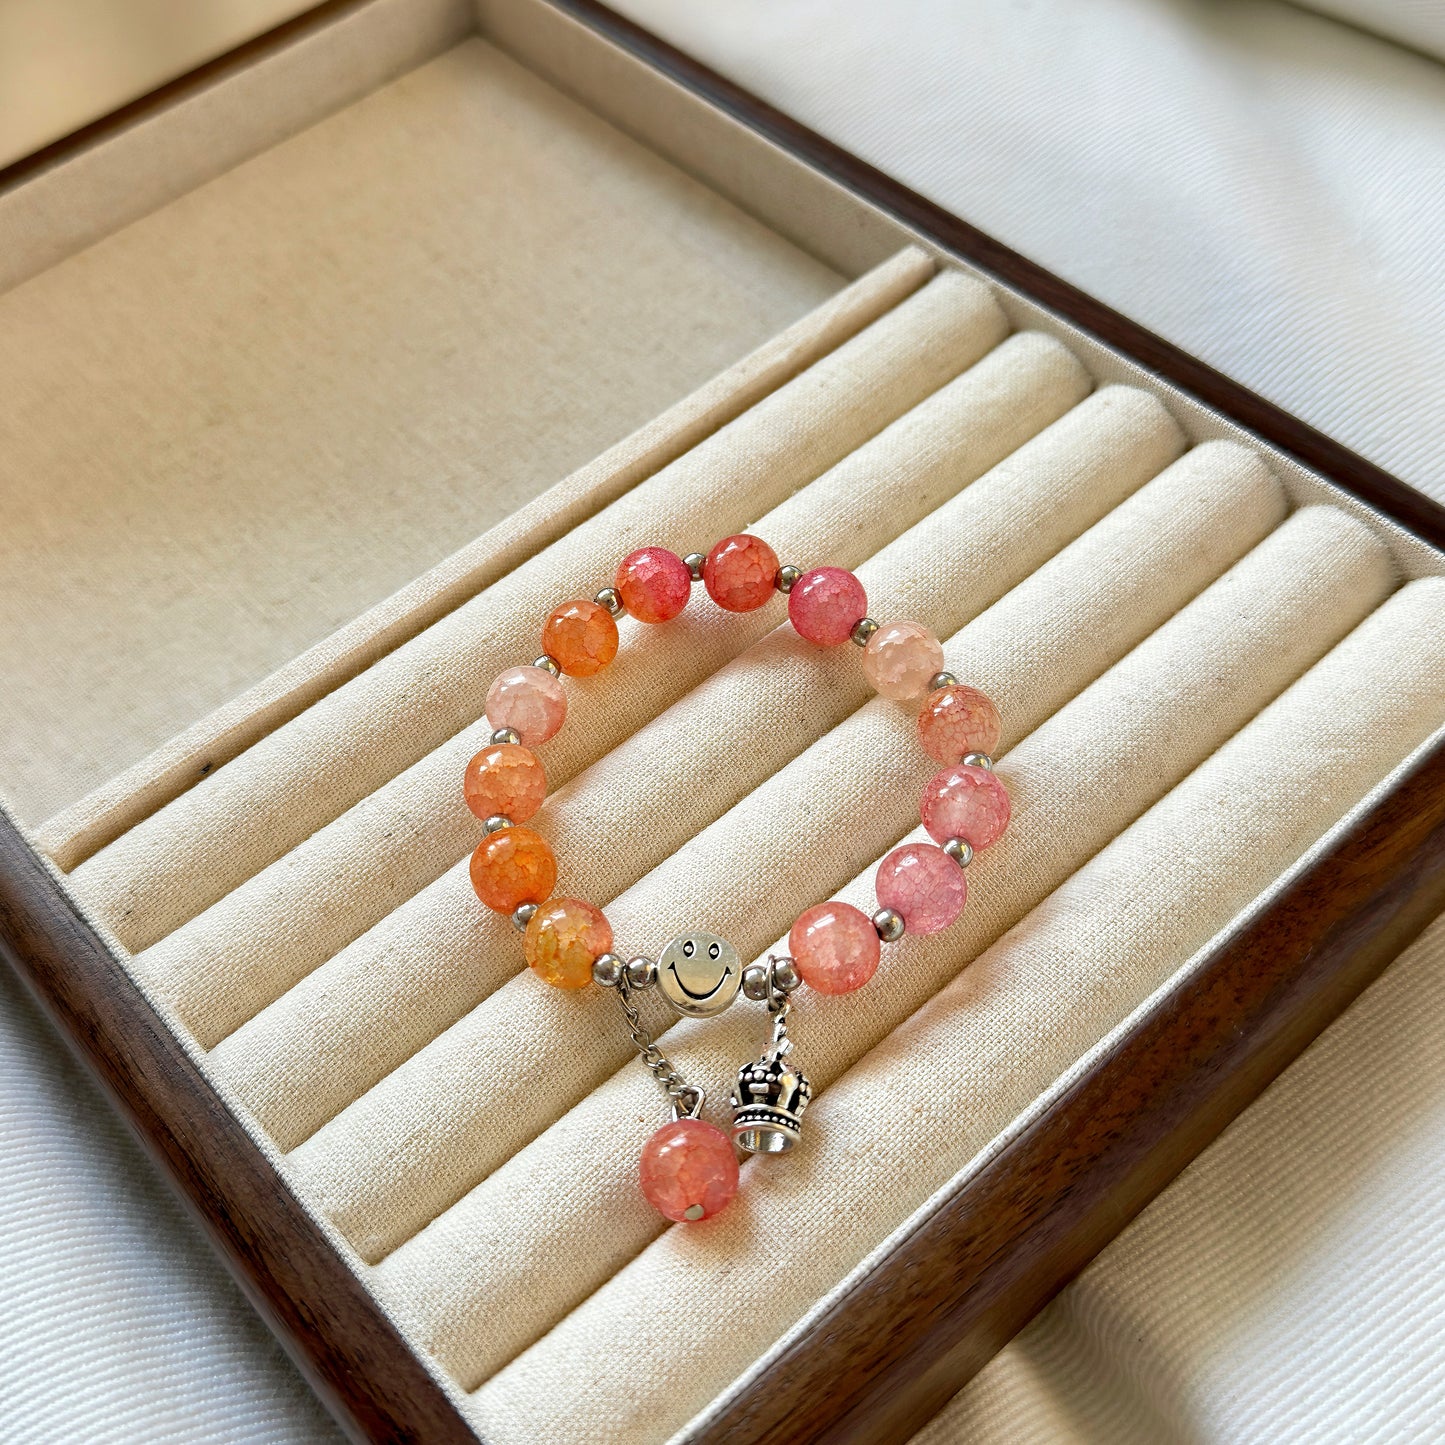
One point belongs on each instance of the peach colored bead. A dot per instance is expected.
(530, 701)
(581, 637)
(505, 778)
(900, 658)
(512, 867)
(835, 947)
(956, 721)
(825, 605)
(563, 939)
(740, 573)
(653, 583)
(923, 886)
(689, 1170)
(965, 802)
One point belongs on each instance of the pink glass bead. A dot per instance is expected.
(901, 658)
(923, 885)
(529, 700)
(826, 604)
(689, 1170)
(956, 721)
(740, 573)
(965, 802)
(653, 583)
(834, 947)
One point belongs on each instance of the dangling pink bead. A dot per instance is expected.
(653, 583)
(900, 658)
(956, 721)
(834, 947)
(965, 802)
(529, 700)
(689, 1170)
(825, 605)
(923, 885)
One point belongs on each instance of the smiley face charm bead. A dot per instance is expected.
(689, 1168)
(699, 974)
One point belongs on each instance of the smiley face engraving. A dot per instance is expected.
(699, 974)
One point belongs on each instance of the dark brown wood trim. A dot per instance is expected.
(890, 1352)
(349, 1352)
(1372, 484)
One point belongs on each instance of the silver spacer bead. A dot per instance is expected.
(755, 983)
(497, 822)
(786, 977)
(548, 663)
(889, 925)
(607, 970)
(978, 760)
(607, 597)
(641, 972)
(863, 629)
(787, 576)
(506, 735)
(522, 916)
(694, 561)
(960, 851)
(941, 679)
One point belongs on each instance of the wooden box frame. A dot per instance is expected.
(909, 1332)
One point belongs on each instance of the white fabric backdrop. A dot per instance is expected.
(1265, 187)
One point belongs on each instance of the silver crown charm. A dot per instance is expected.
(768, 1102)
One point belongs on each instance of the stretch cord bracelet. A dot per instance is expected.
(689, 1168)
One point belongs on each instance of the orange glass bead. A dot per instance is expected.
(581, 637)
(563, 940)
(740, 573)
(511, 867)
(505, 778)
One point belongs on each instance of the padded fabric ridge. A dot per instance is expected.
(398, 1156)
(1000, 1034)
(208, 841)
(368, 1008)
(247, 950)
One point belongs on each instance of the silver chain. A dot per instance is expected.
(686, 1098)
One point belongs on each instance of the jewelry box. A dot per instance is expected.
(331, 368)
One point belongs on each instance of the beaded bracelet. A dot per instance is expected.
(689, 1168)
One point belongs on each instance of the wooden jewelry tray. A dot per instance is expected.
(250, 932)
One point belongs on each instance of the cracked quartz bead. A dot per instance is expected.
(581, 637)
(689, 1170)
(825, 605)
(506, 779)
(653, 583)
(900, 658)
(530, 701)
(740, 573)
(563, 939)
(834, 947)
(956, 721)
(513, 867)
(923, 885)
(965, 802)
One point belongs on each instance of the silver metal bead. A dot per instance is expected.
(787, 576)
(694, 561)
(889, 925)
(506, 735)
(941, 679)
(641, 972)
(960, 851)
(609, 599)
(522, 916)
(786, 977)
(863, 629)
(755, 983)
(548, 663)
(607, 970)
(978, 760)
(497, 822)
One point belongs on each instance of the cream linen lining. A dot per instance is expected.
(474, 1134)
